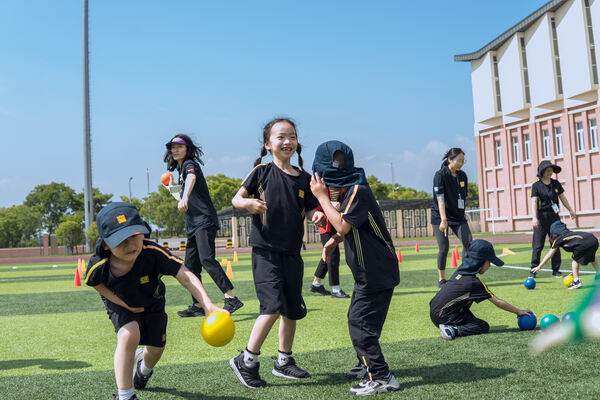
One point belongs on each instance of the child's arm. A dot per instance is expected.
(545, 260)
(190, 181)
(113, 298)
(253, 206)
(317, 217)
(319, 189)
(563, 199)
(329, 247)
(189, 281)
(508, 307)
(534, 206)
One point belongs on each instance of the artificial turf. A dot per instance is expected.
(57, 342)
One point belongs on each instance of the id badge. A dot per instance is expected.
(555, 207)
(461, 204)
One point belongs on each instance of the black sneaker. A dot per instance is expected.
(575, 285)
(139, 380)
(441, 283)
(191, 311)
(116, 397)
(339, 295)
(532, 275)
(557, 274)
(320, 289)
(232, 304)
(447, 332)
(249, 376)
(290, 370)
(359, 371)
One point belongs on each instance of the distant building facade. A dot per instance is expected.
(535, 97)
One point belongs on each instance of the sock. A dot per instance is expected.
(126, 394)
(282, 357)
(144, 370)
(335, 289)
(317, 284)
(250, 359)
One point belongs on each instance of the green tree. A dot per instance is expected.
(160, 208)
(134, 200)
(222, 189)
(69, 234)
(17, 225)
(92, 234)
(380, 190)
(52, 202)
(473, 191)
(100, 200)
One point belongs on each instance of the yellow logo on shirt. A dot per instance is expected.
(462, 183)
(144, 279)
(556, 190)
(301, 193)
(121, 218)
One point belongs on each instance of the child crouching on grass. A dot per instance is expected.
(369, 254)
(126, 271)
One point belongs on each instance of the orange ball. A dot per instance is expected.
(217, 329)
(166, 178)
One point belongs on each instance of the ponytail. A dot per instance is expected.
(450, 155)
(300, 161)
(263, 152)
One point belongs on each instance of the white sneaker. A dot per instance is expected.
(447, 332)
(368, 387)
(576, 284)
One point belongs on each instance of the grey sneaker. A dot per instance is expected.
(575, 285)
(340, 295)
(557, 274)
(249, 376)
(447, 332)
(116, 397)
(289, 370)
(139, 380)
(368, 387)
(232, 304)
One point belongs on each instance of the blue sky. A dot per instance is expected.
(378, 75)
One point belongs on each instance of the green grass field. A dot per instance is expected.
(57, 342)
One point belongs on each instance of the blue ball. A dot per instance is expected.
(527, 322)
(548, 320)
(568, 317)
(530, 283)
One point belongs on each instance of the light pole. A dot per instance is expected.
(392, 168)
(130, 179)
(147, 181)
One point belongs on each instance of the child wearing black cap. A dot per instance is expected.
(201, 221)
(369, 254)
(126, 271)
(450, 308)
(583, 245)
(545, 193)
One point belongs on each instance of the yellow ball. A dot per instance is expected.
(567, 280)
(218, 329)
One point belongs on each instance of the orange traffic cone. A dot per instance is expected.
(229, 271)
(235, 256)
(399, 256)
(224, 262)
(453, 264)
(457, 253)
(417, 248)
(77, 281)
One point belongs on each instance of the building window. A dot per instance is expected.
(546, 143)
(515, 143)
(497, 82)
(590, 32)
(526, 148)
(593, 134)
(580, 138)
(498, 154)
(525, 72)
(558, 147)
(556, 55)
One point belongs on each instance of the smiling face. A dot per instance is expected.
(282, 141)
(178, 151)
(456, 163)
(129, 249)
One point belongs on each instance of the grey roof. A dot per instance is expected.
(550, 6)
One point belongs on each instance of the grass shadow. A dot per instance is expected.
(44, 363)
(192, 396)
(449, 373)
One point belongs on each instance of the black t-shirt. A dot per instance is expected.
(579, 243)
(141, 286)
(453, 188)
(288, 198)
(458, 293)
(201, 212)
(368, 246)
(547, 194)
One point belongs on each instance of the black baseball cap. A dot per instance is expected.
(118, 221)
(479, 252)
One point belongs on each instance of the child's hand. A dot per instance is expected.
(319, 219)
(536, 269)
(182, 206)
(520, 313)
(328, 249)
(208, 308)
(136, 310)
(318, 186)
(256, 206)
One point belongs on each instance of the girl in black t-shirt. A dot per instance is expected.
(450, 185)
(279, 196)
(201, 222)
(545, 194)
